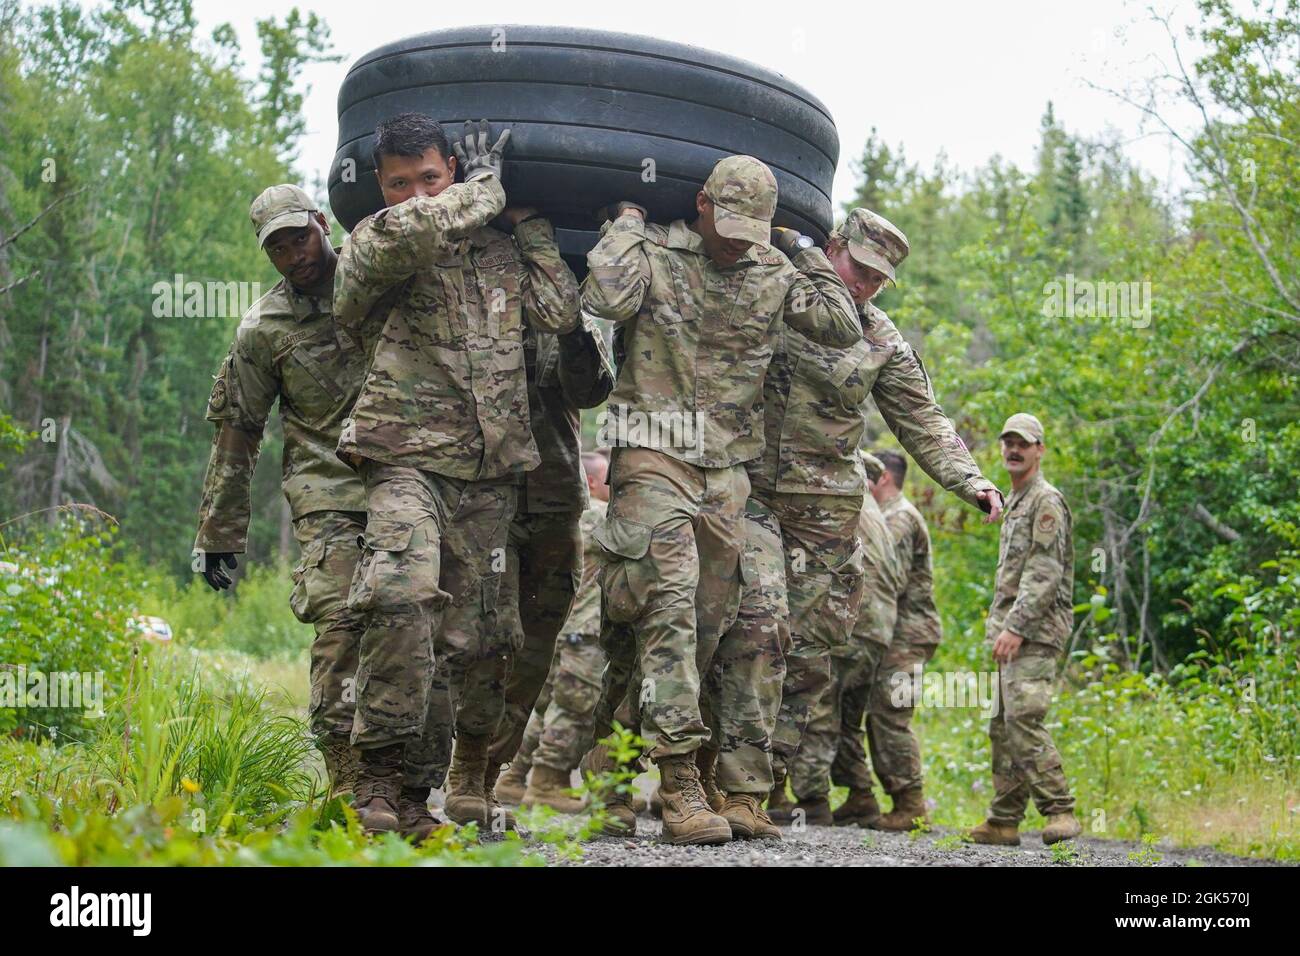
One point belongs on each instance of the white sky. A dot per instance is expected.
(967, 79)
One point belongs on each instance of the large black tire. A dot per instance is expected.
(589, 110)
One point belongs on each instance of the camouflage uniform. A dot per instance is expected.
(441, 434)
(831, 750)
(917, 633)
(809, 478)
(287, 348)
(560, 728)
(743, 684)
(698, 340)
(544, 557)
(1033, 598)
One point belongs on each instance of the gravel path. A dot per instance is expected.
(849, 846)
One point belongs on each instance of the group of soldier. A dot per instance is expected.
(739, 583)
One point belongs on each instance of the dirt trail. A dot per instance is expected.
(849, 846)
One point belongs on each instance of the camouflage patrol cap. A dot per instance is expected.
(872, 465)
(280, 207)
(743, 191)
(1025, 425)
(874, 241)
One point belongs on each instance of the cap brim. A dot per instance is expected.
(732, 225)
(1033, 439)
(286, 220)
(873, 260)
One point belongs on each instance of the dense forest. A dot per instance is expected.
(1156, 333)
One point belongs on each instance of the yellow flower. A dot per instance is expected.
(189, 785)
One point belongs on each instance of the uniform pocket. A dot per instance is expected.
(303, 598)
(626, 586)
(398, 567)
(1027, 684)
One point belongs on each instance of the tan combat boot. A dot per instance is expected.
(779, 806)
(377, 795)
(549, 787)
(340, 765)
(707, 761)
(497, 814)
(467, 796)
(748, 821)
(995, 834)
(618, 806)
(859, 810)
(816, 811)
(1061, 826)
(413, 817)
(512, 784)
(688, 820)
(909, 806)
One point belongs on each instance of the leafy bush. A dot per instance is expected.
(65, 608)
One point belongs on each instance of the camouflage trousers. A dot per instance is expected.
(832, 749)
(328, 542)
(560, 728)
(832, 752)
(672, 537)
(742, 689)
(543, 569)
(1025, 760)
(895, 751)
(428, 578)
(824, 576)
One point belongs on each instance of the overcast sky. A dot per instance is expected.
(967, 79)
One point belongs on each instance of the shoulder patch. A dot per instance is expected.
(219, 398)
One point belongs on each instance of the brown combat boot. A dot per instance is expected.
(688, 820)
(376, 796)
(340, 766)
(707, 761)
(618, 806)
(413, 817)
(859, 810)
(1061, 826)
(748, 821)
(467, 796)
(498, 815)
(995, 834)
(779, 806)
(816, 811)
(909, 806)
(549, 787)
(512, 784)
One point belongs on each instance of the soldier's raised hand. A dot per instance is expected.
(991, 503)
(476, 157)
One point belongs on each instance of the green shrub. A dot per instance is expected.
(65, 610)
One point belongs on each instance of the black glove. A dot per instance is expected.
(214, 573)
(790, 241)
(476, 158)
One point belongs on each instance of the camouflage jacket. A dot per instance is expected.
(903, 393)
(884, 578)
(563, 377)
(447, 391)
(698, 338)
(918, 618)
(812, 416)
(1034, 593)
(287, 347)
(585, 617)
